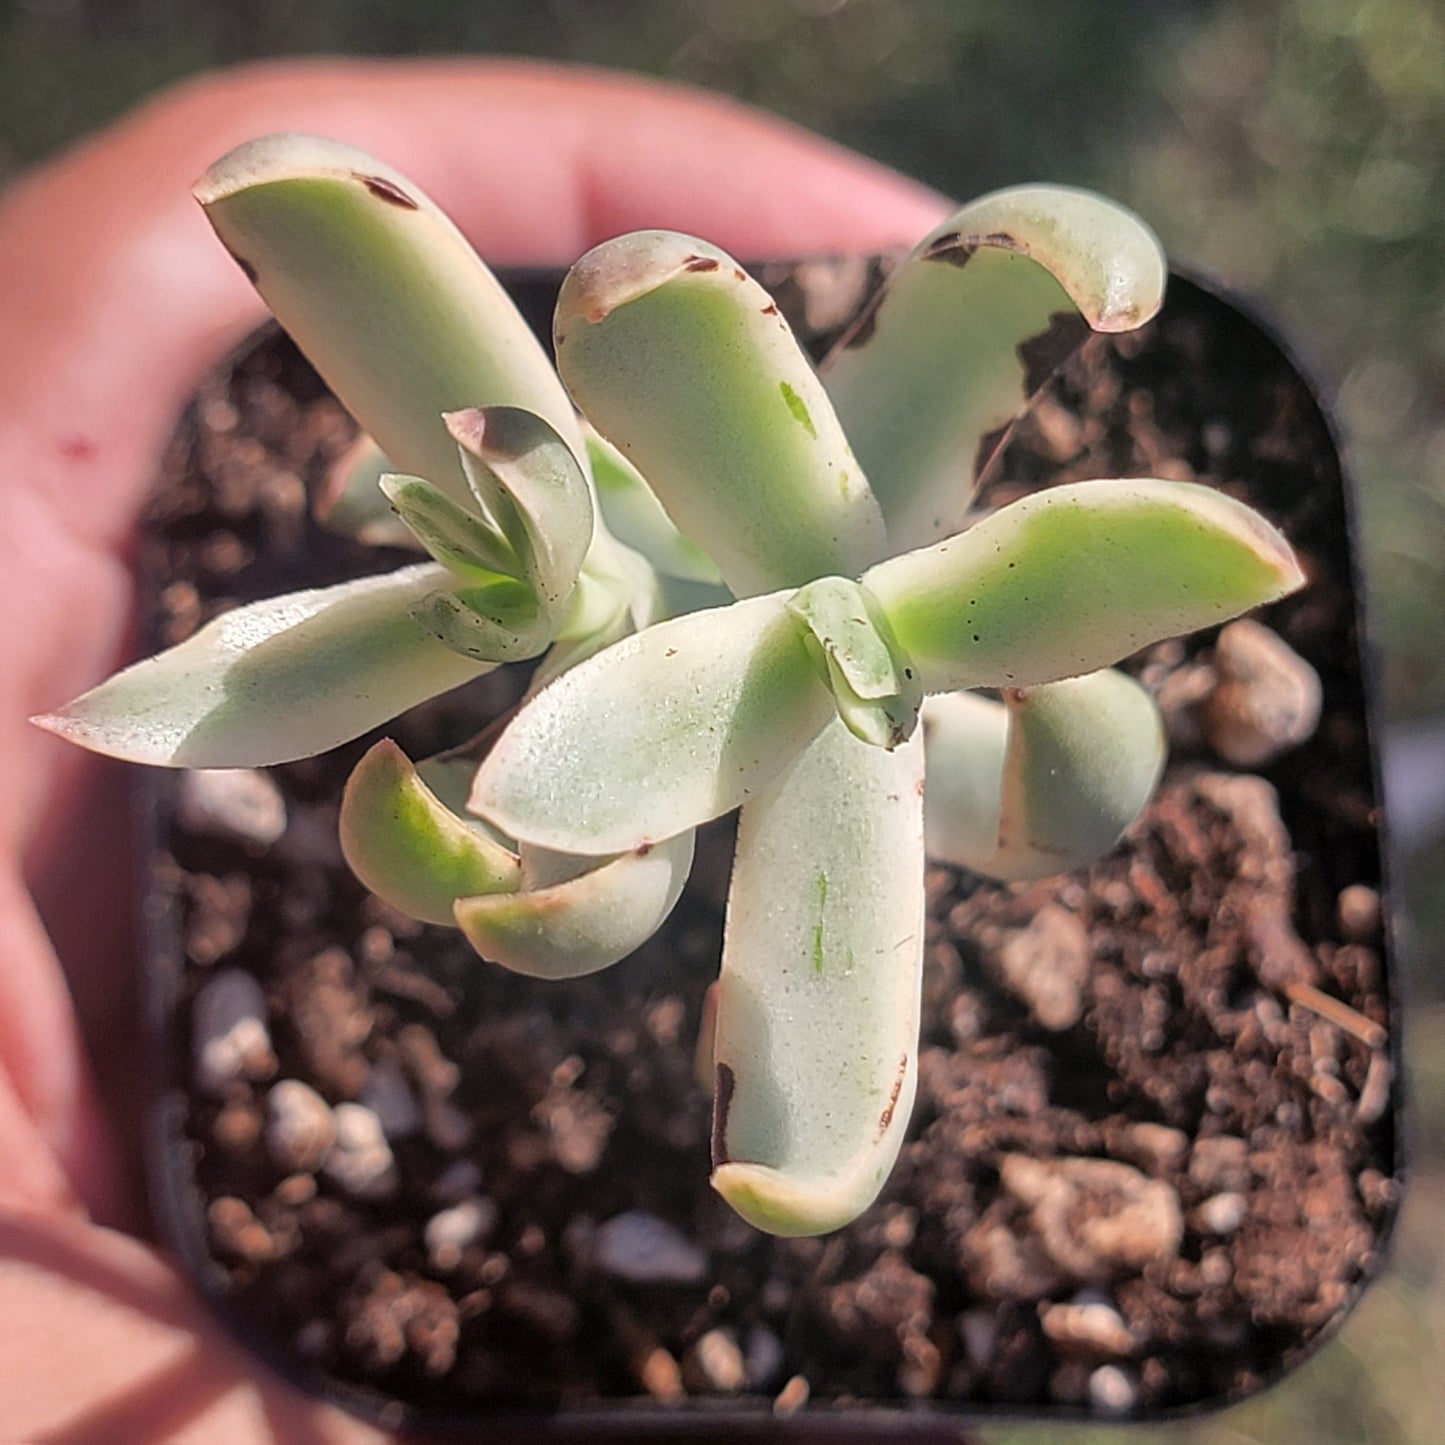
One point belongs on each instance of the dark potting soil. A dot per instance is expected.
(1153, 1154)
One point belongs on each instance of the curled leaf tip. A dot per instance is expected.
(627, 268)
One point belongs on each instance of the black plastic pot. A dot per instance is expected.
(534, 1296)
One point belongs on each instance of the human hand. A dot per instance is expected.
(116, 297)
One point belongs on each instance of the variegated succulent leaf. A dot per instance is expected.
(1044, 781)
(684, 363)
(383, 294)
(463, 541)
(662, 731)
(966, 330)
(582, 916)
(815, 1040)
(403, 842)
(276, 680)
(635, 517)
(529, 483)
(1074, 578)
(875, 685)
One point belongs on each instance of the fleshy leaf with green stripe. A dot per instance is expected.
(816, 1037)
(684, 363)
(874, 684)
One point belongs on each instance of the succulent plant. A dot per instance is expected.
(750, 585)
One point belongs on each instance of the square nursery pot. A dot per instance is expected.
(1155, 1155)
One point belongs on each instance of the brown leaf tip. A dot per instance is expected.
(388, 191)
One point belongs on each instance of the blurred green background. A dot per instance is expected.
(1294, 148)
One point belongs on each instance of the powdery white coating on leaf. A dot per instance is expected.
(274, 680)
(968, 327)
(659, 733)
(583, 923)
(818, 998)
(1073, 578)
(683, 362)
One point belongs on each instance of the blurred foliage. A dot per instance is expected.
(1305, 162)
(933, 86)
(1296, 148)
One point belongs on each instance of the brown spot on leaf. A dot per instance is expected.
(886, 1117)
(722, 1098)
(388, 191)
(952, 249)
(1041, 355)
(701, 263)
(770, 309)
(643, 849)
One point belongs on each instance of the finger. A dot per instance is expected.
(115, 1347)
(118, 289)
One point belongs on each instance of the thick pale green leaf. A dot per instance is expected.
(965, 742)
(662, 731)
(526, 477)
(585, 922)
(456, 536)
(683, 362)
(1071, 579)
(1043, 782)
(635, 516)
(617, 593)
(352, 502)
(496, 623)
(968, 328)
(275, 680)
(404, 844)
(384, 295)
(818, 1000)
(874, 684)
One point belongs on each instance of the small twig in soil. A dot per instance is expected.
(1337, 1012)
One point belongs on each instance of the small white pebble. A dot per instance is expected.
(720, 1361)
(299, 1126)
(388, 1095)
(237, 803)
(360, 1159)
(1221, 1213)
(644, 1249)
(229, 1030)
(1113, 1390)
(450, 1231)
